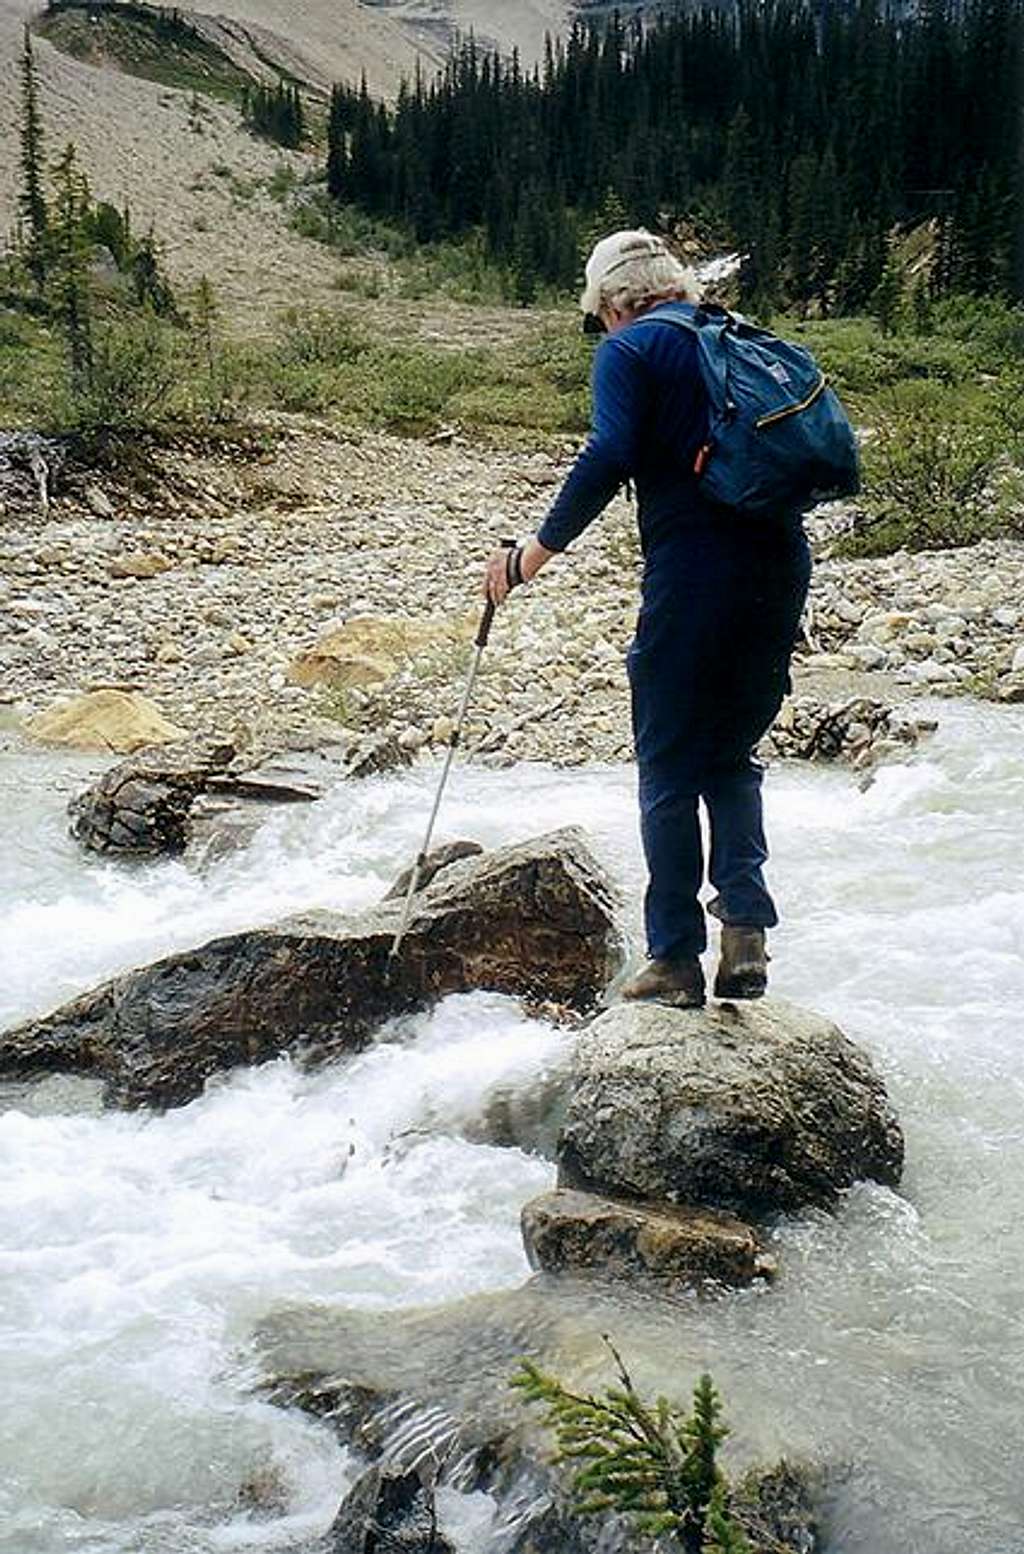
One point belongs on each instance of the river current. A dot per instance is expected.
(137, 1252)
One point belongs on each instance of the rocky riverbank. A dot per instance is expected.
(206, 583)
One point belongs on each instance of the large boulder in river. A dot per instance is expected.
(535, 921)
(758, 1109)
(142, 806)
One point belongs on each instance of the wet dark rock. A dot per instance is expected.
(388, 1511)
(436, 860)
(536, 1515)
(534, 921)
(779, 1509)
(860, 731)
(143, 805)
(573, 1232)
(759, 1109)
(371, 755)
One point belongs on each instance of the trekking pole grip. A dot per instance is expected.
(487, 619)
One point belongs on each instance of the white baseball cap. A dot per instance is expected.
(613, 253)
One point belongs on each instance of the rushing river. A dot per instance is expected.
(137, 1252)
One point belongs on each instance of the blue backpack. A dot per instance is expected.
(778, 438)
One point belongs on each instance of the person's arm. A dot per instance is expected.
(609, 457)
(607, 460)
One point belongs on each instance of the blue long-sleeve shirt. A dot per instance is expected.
(649, 419)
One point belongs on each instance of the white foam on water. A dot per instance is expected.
(137, 1253)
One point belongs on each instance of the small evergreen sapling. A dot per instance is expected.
(652, 1463)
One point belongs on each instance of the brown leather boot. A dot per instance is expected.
(743, 965)
(679, 983)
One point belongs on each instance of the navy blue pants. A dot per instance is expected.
(708, 669)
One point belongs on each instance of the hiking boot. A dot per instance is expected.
(743, 964)
(679, 983)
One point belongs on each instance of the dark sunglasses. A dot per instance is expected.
(592, 325)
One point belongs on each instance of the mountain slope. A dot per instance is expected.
(137, 145)
(509, 24)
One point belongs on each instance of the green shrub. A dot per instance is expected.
(319, 338)
(563, 354)
(133, 379)
(992, 328)
(411, 388)
(938, 471)
(533, 406)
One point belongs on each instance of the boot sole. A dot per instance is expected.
(669, 1000)
(741, 988)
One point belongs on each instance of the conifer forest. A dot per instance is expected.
(803, 134)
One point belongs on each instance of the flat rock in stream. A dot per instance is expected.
(760, 1108)
(206, 794)
(573, 1232)
(535, 921)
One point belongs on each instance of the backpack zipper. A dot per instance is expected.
(780, 415)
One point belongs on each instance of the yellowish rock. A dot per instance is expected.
(120, 722)
(342, 671)
(369, 649)
(140, 564)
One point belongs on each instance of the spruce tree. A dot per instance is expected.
(887, 299)
(32, 199)
(651, 1462)
(71, 255)
(152, 287)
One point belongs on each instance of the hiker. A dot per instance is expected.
(722, 597)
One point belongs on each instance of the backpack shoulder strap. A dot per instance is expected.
(685, 321)
(709, 329)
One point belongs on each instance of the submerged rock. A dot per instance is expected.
(431, 1388)
(388, 1511)
(566, 1231)
(758, 1109)
(535, 921)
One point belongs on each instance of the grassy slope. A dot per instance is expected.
(131, 43)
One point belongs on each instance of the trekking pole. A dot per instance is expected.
(480, 642)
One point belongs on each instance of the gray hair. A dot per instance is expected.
(631, 271)
(636, 282)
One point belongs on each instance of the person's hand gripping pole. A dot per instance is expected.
(479, 643)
